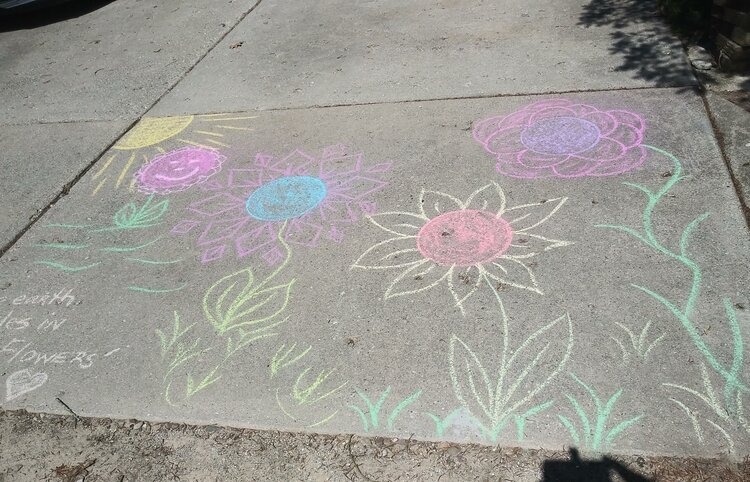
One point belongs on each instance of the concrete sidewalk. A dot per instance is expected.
(448, 220)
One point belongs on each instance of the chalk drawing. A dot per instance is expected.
(133, 216)
(729, 412)
(309, 394)
(461, 243)
(464, 238)
(61, 245)
(287, 197)
(178, 170)
(735, 388)
(153, 261)
(282, 359)
(304, 395)
(595, 436)
(496, 401)
(130, 216)
(174, 348)
(246, 298)
(317, 196)
(370, 414)
(63, 296)
(67, 268)
(442, 424)
(23, 381)
(724, 421)
(155, 135)
(561, 138)
(240, 310)
(640, 346)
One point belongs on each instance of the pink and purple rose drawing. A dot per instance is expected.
(561, 138)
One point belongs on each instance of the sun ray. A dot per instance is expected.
(125, 170)
(161, 135)
(235, 128)
(229, 118)
(105, 166)
(217, 143)
(213, 115)
(215, 134)
(98, 186)
(195, 144)
(151, 131)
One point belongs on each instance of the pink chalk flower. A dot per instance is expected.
(560, 138)
(464, 244)
(178, 170)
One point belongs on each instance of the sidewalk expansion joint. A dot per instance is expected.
(720, 141)
(694, 87)
(55, 122)
(63, 192)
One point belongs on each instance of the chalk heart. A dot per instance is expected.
(23, 381)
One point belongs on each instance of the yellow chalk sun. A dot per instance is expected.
(153, 130)
(154, 135)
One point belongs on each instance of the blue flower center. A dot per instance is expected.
(286, 198)
(560, 136)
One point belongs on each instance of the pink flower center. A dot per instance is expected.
(179, 169)
(560, 136)
(464, 238)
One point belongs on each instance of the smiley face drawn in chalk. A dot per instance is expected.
(178, 170)
(23, 381)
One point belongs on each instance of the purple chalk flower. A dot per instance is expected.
(560, 138)
(316, 197)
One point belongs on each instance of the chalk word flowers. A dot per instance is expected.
(317, 196)
(559, 138)
(178, 170)
(461, 243)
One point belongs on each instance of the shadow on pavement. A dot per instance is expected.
(577, 470)
(46, 15)
(645, 51)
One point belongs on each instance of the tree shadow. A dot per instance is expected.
(577, 470)
(647, 47)
(617, 13)
(32, 18)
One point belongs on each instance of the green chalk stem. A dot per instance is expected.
(60, 245)
(131, 216)
(731, 376)
(595, 437)
(441, 424)
(401, 406)
(67, 226)
(66, 268)
(373, 409)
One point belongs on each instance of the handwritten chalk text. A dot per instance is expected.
(59, 298)
(21, 351)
